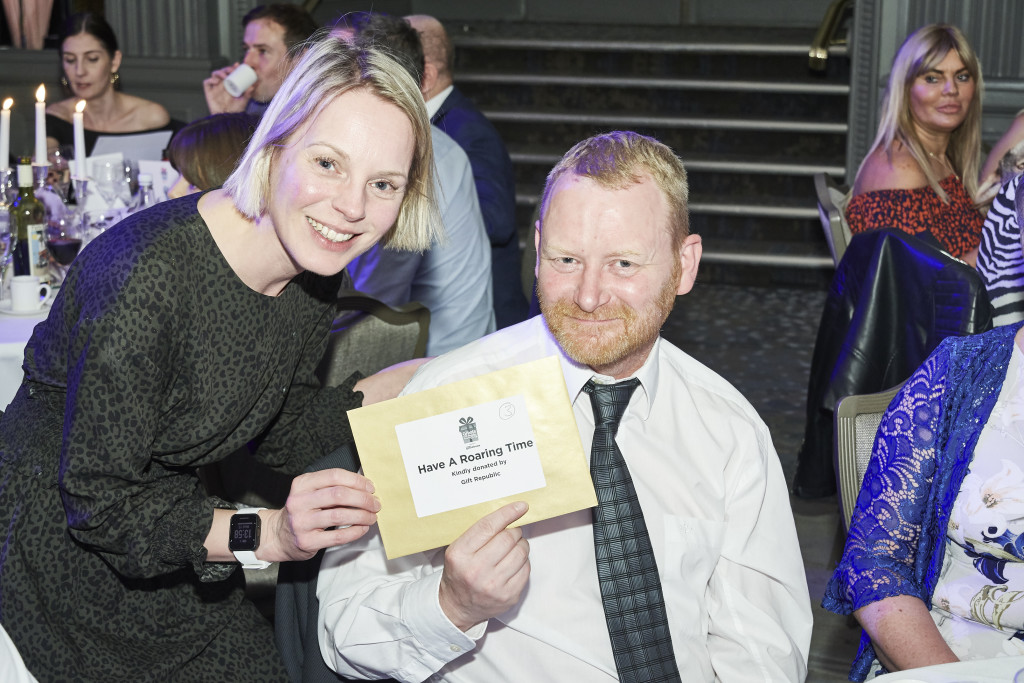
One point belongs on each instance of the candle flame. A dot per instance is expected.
(80, 107)
(41, 94)
(8, 103)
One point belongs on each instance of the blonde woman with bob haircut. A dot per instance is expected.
(921, 174)
(181, 335)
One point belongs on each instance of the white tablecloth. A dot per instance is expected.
(14, 334)
(997, 670)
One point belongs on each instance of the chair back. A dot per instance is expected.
(831, 205)
(368, 335)
(856, 423)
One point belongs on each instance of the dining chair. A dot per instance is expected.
(831, 205)
(856, 423)
(368, 335)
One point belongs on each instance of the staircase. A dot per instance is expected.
(740, 106)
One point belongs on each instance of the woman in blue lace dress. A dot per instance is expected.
(933, 567)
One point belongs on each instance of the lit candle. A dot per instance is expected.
(5, 134)
(40, 126)
(78, 118)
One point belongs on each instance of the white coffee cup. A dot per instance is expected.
(28, 293)
(239, 80)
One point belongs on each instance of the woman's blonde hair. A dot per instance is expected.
(922, 51)
(326, 68)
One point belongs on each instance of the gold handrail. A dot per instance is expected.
(824, 38)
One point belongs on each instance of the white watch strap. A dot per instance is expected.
(248, 557)
(249, 560)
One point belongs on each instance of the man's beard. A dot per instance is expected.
(601, 348)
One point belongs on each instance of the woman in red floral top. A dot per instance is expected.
(921, 174)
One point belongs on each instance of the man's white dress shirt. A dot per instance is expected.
(717, 509)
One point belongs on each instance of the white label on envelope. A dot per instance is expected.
(470, 456)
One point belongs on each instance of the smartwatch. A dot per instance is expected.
(245, 538)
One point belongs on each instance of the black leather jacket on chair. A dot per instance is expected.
(893, 298)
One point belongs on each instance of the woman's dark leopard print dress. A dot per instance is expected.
(155, 359)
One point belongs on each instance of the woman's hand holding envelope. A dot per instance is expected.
(325, 508)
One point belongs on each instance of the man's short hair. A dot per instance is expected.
(330, 67)
(297, 23)
(621, 158)
(397, 36)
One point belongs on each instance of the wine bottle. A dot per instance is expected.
(28, 214)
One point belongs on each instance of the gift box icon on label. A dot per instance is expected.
(467, 427)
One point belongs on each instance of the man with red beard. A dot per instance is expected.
(688, 569)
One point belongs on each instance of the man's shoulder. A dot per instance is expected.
(527, 341)
(448, 154)
(460, 118)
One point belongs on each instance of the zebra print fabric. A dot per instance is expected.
(1001, 258)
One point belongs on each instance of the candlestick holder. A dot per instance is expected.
(39, 172)
(7, 189)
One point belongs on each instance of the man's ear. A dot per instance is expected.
(536, 246)
(689, 259)
(429, 80)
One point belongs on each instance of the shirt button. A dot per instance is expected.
(456, 648)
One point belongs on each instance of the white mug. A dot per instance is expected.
(28, 293)
(239, 80)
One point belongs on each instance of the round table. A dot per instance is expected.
(996, 670)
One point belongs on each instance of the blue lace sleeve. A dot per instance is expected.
(881, 549)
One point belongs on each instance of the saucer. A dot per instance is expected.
(5, 309)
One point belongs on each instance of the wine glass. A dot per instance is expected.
(105, 179)
(63, 241)
(59, 173)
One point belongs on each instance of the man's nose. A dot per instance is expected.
(590, 290)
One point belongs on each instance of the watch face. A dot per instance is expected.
(245, 532)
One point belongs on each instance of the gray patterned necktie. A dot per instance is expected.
(626, 569)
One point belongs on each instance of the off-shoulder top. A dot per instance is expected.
(956, 226)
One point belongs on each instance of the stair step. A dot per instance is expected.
(761, 259)
(707, 165)
(702, 84)
(619, 121)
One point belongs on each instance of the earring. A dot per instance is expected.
(114, 77)
(64, 81)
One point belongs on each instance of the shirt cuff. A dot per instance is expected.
(431, 626)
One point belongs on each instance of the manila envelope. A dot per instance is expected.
(443, 458)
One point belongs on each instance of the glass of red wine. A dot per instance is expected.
(63, 241)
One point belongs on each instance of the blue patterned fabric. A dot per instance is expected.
(922, 452)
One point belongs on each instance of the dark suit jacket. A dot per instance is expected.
(496, 188)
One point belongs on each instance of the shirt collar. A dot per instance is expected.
(435, 102)
(577, 375)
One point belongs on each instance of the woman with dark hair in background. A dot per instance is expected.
(205, 152)
(90, 63)
(921, 174)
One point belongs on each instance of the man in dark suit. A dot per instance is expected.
(456, 115)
